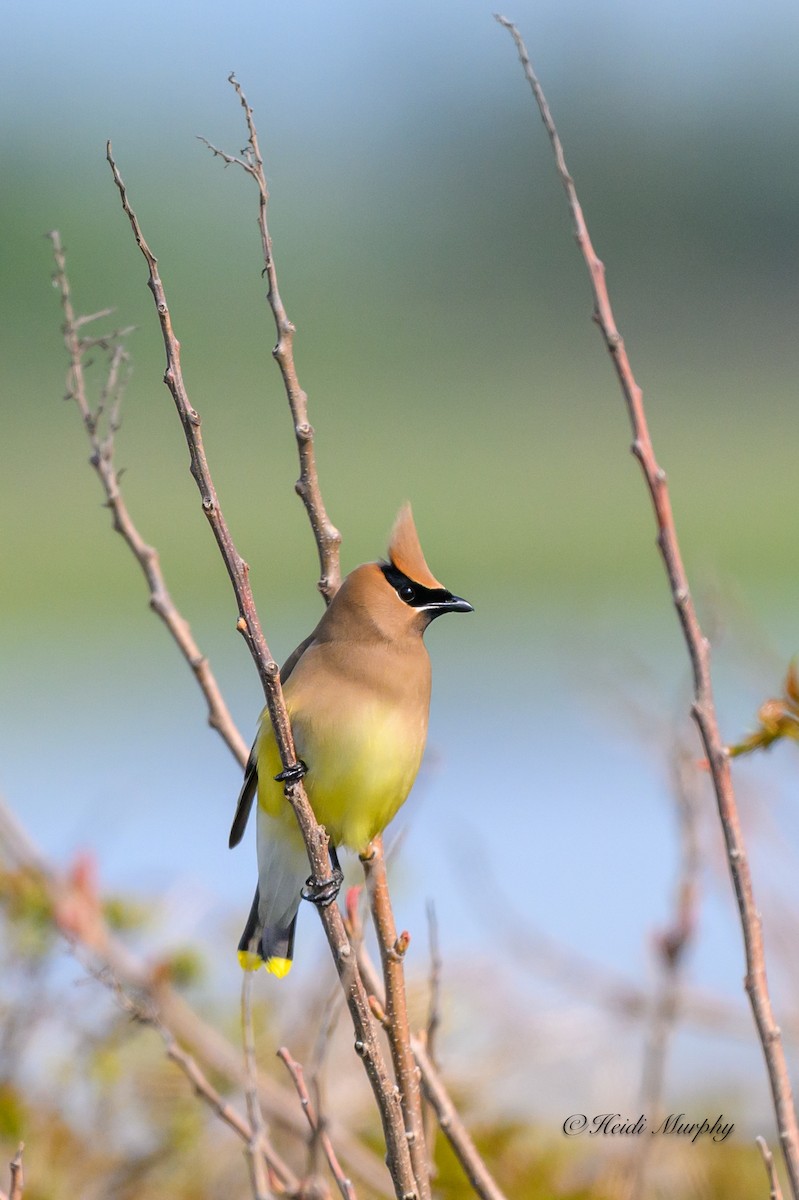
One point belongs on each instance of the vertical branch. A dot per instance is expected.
(327, 537)
(17, 1176)
(102, 459)
(255, 1144)
(703, 708)
(392, 954)
(449, 1120)
(431, 1030)
(672, 944)
(367, 1045)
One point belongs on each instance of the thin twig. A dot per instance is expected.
(672, 944)
(112, 961)
(703, 707)
(316, 841)
(434, 1088)
(318, 1130)
(327, 537)
(392, 954)
(139, 1007)
(225, 1111)
(431, 1029)
(102, 459)
(775, 1191)
(17, 1176)
(258, 1140)
(434, 1002)
(323, 1042)
(328, 1020)
(261, 1153)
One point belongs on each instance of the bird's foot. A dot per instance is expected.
(292, 774)
(323, 893)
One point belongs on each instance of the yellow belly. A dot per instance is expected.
(359, 771)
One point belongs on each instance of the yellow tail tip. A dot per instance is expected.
(278, 966)
(249, 961)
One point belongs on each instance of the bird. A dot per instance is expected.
(357, 692)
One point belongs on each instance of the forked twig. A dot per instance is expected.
(366, 1041)
(318, 1130)
(703, 708)
(102, 459)
(327, 537)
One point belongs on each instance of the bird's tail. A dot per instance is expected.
(268, 938)
(270, 946)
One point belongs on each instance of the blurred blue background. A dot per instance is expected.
(425, 253)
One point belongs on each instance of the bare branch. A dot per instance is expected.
(140, 1007)
(327, 537)
(318, 1130)
(434, 1088)
(102, 459)
(80, 920)
(142, 1004)
(260, 1151)
(392, 954)
(703, 707)
(258, 1140)
(316, 841)
(775, 1191)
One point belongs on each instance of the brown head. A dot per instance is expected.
(393, 599)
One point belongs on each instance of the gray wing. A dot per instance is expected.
(244, 802)
(250, 784)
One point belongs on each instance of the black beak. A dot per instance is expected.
(450, 604)
(457, 604)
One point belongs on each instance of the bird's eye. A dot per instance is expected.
(407, 593)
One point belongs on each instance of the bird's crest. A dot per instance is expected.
(406, 553)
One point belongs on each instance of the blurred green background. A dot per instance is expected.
(425, 253)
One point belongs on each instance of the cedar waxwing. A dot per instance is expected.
(357, 693)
